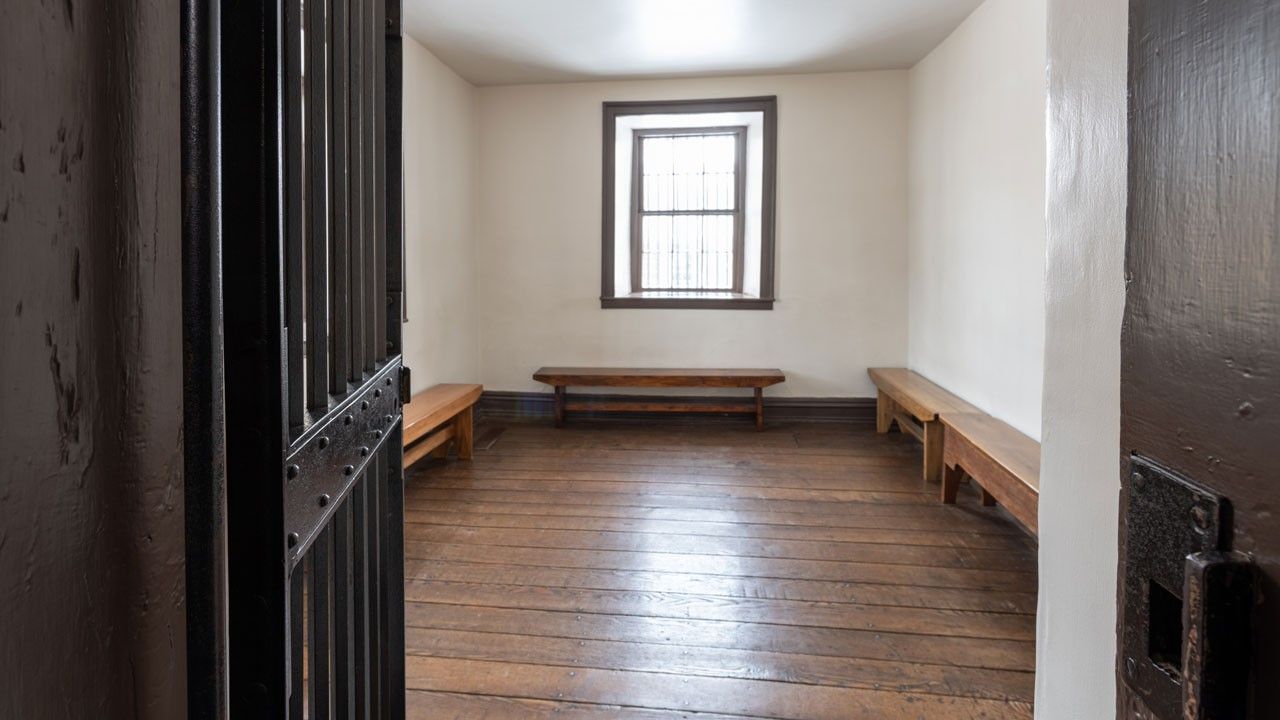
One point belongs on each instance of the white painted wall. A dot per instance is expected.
(1080, 465)
(441, 151)
(841, 237)
(977, 211)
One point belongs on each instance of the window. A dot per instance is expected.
(688, 204)
(687, 218)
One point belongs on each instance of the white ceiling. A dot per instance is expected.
(504, 42)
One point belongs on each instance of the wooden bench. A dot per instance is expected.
(1003, 462)
(914, 403)
(562, 378)
(438, 416)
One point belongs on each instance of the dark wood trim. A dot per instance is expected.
(641, 302)
(768, 105)
(501, 405)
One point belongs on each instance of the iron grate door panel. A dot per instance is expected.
(312, 287)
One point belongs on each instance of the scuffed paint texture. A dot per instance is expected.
(91, 532)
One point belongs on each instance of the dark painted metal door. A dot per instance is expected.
(1200, 580)
(311, 290)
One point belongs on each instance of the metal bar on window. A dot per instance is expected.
(674, 246)
(740, 204)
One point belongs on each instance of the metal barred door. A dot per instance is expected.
(312, 295)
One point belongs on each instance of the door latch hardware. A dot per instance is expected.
(1168, 518)
(1178, 583)
(1220, 592)
(405, 385)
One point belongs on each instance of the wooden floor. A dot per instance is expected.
(709, 571)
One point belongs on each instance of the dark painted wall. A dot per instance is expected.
(91, 495)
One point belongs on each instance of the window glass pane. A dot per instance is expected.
(689, 172)
(687, 252)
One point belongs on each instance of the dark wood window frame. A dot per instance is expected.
(767, 107)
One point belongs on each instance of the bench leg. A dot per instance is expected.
(464, 433)
(988, 500)
(559, 406)
(884, 412)
(951, 484)
(759, 408)
(933, 451)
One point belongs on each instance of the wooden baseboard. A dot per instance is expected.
(498, 405)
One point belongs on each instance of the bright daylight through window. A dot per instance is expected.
(689, 204)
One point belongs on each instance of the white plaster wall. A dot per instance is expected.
(841, 237)
(441, 151)
(977, 211)
(1080, 471)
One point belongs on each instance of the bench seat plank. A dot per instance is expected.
(434, 406)
(914, 403)
(917, 394)
(437, 416)
(1002, 461)
(658, 377)
(562, 377)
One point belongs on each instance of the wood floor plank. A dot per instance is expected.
(681, 489)
(704, 571)
(923, 556)
(957, 519)
(880, 474)
(807, 613)
(752, 698)
(878, 479)
(1023, 603)
(721, 662)
(794, 640)
(426, 705)
(884, 507)
(775, 531)
(882, 573)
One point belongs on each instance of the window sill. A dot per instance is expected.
(686, 301)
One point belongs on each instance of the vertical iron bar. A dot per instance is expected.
(204, 470)
(317, 137)
(393, 572)
(377, 640)
(343, 619)
(297, 640)
(257, 412)
(319, 626)
(340, 350)
(380, 182)
(359, 158)
(360, 601)
(394, 195)
(294, 179)
(371, 300)
(739, 203)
